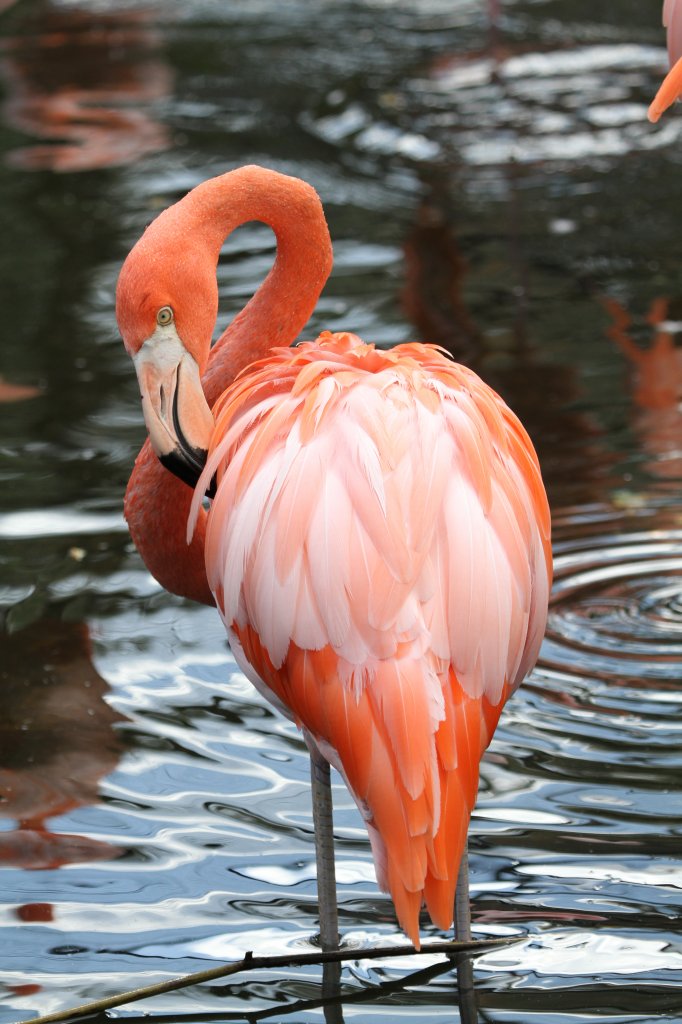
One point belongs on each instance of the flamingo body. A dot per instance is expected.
(378, 550)
(671, 88)
(378, 540)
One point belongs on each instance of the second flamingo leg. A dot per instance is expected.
(324, 847)
(326, 878)
(463, 901)
(465, 970)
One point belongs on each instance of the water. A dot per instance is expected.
(498, 193)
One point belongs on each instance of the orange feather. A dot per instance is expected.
(419, 504)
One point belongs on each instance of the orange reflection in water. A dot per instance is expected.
(656, 374)
(81, 80)
(16, 392)
(435, 270)
(57, 740)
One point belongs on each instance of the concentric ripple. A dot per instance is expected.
(617, 606)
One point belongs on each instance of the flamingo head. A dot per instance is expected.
(166, 307)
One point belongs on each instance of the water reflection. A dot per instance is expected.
(435, 271)
(57, 742)
(656, 372)
(85, 81)
(16, 392)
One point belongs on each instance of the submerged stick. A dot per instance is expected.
(252, 963)
(365, 995)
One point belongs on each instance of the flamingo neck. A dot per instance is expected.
(156, 503)
(285, 300)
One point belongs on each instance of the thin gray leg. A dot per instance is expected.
(324, 848)
(462, 901)
(465, 972)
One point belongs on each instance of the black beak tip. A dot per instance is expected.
(187, 465)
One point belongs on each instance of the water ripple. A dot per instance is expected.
(616, 609)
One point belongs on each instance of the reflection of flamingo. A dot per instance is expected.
(378, 545)
(16, 392)
(81, 82)
(434, 273)
(57, 743)
(671, 88)
(657, 386)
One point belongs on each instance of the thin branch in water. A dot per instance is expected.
(252, 963)
(365, 995)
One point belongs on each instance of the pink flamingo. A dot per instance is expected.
(671, 89)
(378, 540)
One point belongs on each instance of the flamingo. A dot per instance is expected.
(671, 89)
(378, 538)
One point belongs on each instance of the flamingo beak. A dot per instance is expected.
(175, 410)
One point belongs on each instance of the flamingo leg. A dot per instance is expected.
(466, 994)
(462, 901)
(324, 848)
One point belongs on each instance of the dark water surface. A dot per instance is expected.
(498, 193)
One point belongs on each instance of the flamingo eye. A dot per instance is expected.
(165, 316)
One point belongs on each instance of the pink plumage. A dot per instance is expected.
(381, 515)
(672, 22)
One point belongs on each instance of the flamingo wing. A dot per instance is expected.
(378, 547)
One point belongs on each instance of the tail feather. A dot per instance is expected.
(417, 852)
(448, 844)
(407, 906)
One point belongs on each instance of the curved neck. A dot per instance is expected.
(274, 316)
(284, 302)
